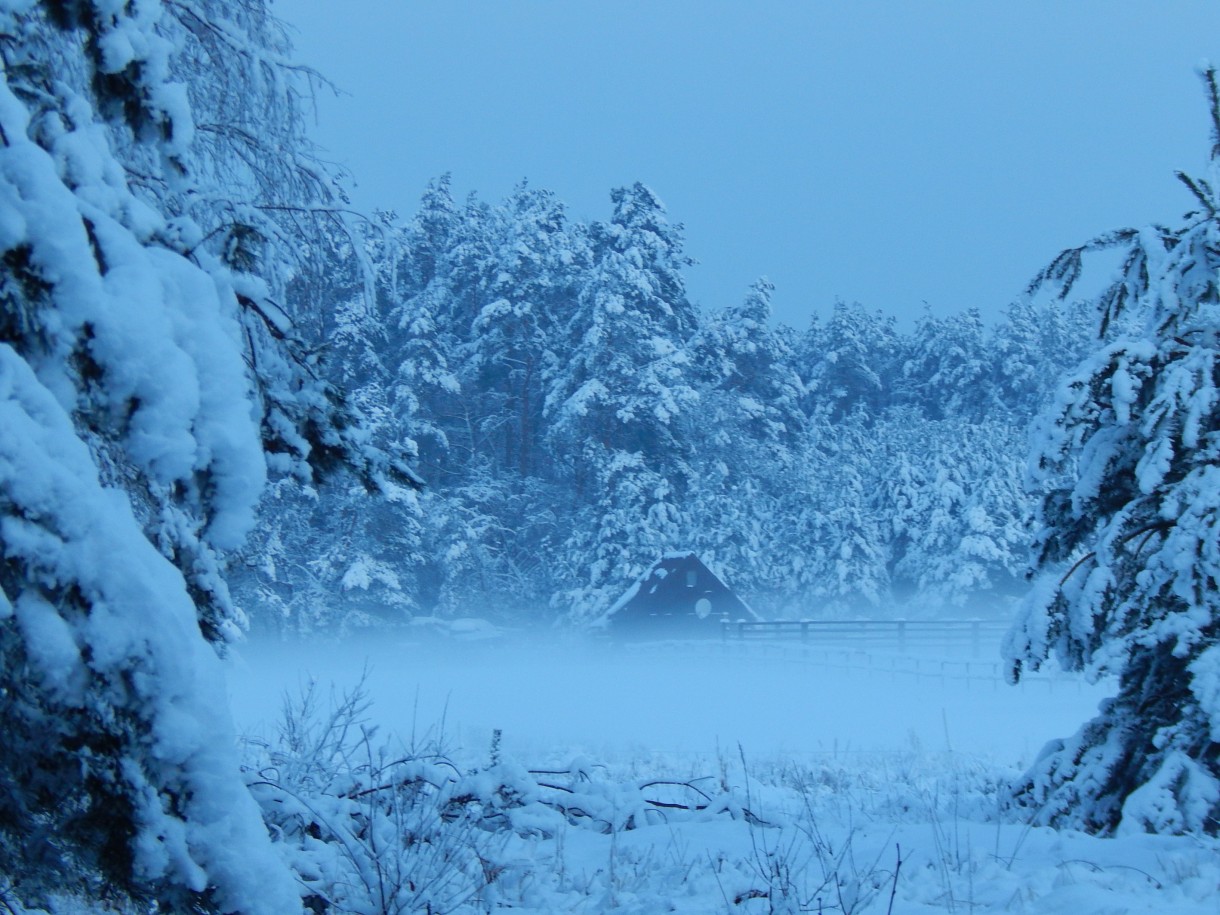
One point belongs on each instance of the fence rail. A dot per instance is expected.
(985, 672)
(902, 634)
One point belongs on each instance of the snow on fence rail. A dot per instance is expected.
(874, 661)
(899, 634)
(858, 661)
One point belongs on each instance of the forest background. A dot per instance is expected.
(574, 416)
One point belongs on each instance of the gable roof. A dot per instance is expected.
(678, 595)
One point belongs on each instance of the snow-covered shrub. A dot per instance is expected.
(372, 829)
(367, 831)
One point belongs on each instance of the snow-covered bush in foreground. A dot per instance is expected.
(374, 829)
(1129, 551)
(424, 830)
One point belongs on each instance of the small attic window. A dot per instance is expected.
(692, 578)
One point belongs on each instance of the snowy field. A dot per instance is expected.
(836, 764)
(679, 699)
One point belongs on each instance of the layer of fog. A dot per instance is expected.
(553, 700)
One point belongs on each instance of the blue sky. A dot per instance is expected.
(892, 153)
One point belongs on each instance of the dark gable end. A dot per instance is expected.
(678, 597)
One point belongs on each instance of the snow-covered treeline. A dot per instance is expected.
(575, 415)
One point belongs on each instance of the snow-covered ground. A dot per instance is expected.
(845, 761)
(678, 699)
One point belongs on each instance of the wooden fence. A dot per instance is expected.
(903, 635)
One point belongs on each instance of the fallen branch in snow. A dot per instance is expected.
(675, 784)
(1099, 869)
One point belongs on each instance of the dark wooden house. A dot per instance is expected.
(677, 598)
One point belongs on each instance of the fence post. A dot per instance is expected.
(804, 630)
(975, 639)
(902, 635)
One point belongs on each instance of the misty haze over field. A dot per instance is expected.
(679, 702)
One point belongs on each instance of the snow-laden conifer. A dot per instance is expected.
(947, 367)
(848, 364)
(615, 404)
(1129, 547)
(148, 363)
(747, 440)
(954, 519)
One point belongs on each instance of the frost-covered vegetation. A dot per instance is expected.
(576, 416)
(1129, 548)
(867, 808)
(225, 399)
(149, 379)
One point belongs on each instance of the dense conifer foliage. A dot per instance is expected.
(1128, 464)
(576, 416)
(155, 192)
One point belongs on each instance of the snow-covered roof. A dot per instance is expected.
(654, 575)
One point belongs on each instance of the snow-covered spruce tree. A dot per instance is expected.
(947, 370)
(624, 380)
(525, 265)
(745, 442)
(954, 518)
(417, 276)
(740, 361)
(613, 404)
(849, 364)
(537, 262)
(145, 371)
(1035, 344)
(829, 518)
(1129, 549)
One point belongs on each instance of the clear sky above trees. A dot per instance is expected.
(794, 139)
